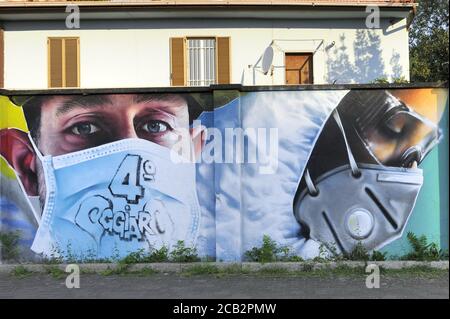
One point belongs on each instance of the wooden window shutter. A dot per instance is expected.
(63, 62)
(178, 61)
(223, 60)
(71, 62)
(2, 59)
(55, 62)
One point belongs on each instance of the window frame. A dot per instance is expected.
(186, 53)
(217, 77)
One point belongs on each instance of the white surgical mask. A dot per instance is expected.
(114, 199)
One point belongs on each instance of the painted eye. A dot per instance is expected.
(155, 127)
(84, 129)
(396, 124)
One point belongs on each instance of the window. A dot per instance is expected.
(299, 68)
(200, 61)
(63, 62)
(201, 58)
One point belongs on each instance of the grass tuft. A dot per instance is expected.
(20, 272)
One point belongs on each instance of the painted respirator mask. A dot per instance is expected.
(367, 199)
(117, 198)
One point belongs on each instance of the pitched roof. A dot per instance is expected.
(310, 3)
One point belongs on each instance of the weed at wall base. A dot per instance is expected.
(9, 246)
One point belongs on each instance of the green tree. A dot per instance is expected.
(429, 42)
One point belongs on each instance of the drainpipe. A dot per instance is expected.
(411, 16)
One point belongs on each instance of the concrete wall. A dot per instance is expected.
(136, 53)
(232, 196)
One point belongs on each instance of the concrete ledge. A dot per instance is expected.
(245, 266)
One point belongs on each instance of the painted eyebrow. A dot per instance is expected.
(84, 102)
(167, 97)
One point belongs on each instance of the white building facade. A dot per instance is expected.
(198, 43)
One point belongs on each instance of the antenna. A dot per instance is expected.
(267, 60)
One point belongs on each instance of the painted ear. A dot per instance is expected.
(16, 148)
(198, 134)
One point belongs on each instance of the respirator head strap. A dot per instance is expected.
(354, 167)
(312, 189)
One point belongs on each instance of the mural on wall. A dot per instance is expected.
(100, 176)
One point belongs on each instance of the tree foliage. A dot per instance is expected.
(429, 42)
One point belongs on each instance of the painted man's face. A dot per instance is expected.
(73, 123)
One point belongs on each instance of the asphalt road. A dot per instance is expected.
(207, 286)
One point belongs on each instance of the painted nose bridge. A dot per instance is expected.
(126, 127)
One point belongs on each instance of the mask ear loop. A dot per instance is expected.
(312, 189)
(36, 149)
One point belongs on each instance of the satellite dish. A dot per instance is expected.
(267, 60)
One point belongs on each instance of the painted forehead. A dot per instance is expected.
(64, 104)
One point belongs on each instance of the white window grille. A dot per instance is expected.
(201, 67)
